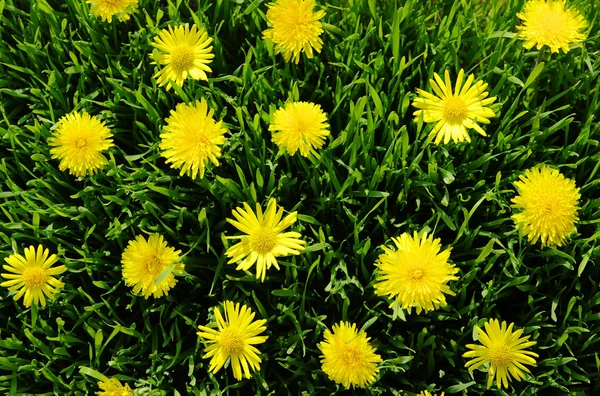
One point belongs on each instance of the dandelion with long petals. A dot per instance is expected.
(113, 387)
(234, 340)
(78, 143)
(547, 204)
(348, 357)
(551, 23)
(144, 262)
(107, 9)
(454, 111)
(192, 138)
(415, 275)
(186, 52)
(299, 126)
(295, 28)
(33, 276)
(503, 351)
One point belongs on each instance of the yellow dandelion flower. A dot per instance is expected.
(78, 143)
(234, 339)
(144, 262)
(548, 204)
(187, 52)
(33, 275)
(503, 350)
(107, 9)
(454, 112)
(113, 387)
(264, 240)
(348, 357)
(427, 393)
(295, 27)
(552, 24)
(416, 274)
(191, 138)
(300, 126)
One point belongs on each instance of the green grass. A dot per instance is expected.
(376, 178)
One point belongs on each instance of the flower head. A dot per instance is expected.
(187, 52)
(113, 387)
(295, 28)
(145, 264)
(549, 22)
(32, 275)
(348, 357)
(503, 350)
(548, 204)
(454, 112)
(299, 126)
(264, 239)
(78, 143)
(415, 274)
(191, 138)
(234, 340)
(107, 9)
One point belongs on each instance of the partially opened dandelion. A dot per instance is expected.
(33, 276)
(348, 357)
(503, 353)
(113, 387)
(150, 265)
(551, 23)
(187, 52)
(232, 338)
(295, 28)
(78, 143)
(454, 112)
(264, 240)
(416, 274)
(547, 206)
(107, 9)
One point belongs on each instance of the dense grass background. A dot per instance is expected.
(377, 178)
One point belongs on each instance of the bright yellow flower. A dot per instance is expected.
(548, 204)
(107, 9)
(300, 126)
(551, 23)
(503, 350)
(416, 274)
(295, 28)
(191, 138)
(113, 387)
(78, 143)
(187, 53)
(144, 262)
(427, 393)
(348, 357)
(234, 340)
(32, 275)
(454, 112)
(265, 239)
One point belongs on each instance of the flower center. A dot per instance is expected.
(500, 355)
(455, 110)
(80, 143)
(182, 58)
(232, 341)
(350, 356)
(263, 241)
(153, 264)
(34, 277)
(416, 275)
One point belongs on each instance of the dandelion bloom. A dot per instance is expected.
(191, 138)
(186, 52)
(234, 340)
(78, 143)
(295, 27)
(299, 126)
(264, 240)
(415, 274)
(548, 205)
(427, 393)
(107, 9)
(33, 275)
(551, 23)
(503, 350)
(113, 387)
(454, 112)
(348, 358)
(145, 261)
